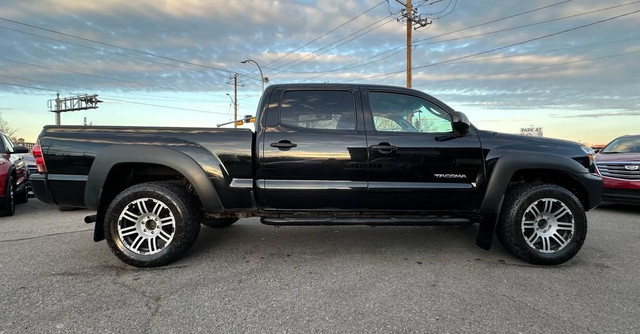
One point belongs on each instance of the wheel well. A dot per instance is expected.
(123, 176)
(559, 178)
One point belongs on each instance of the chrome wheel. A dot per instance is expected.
(548, 225)
(146, 226)
(12, 199)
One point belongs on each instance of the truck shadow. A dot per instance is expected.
(615, 207)
(252, 239)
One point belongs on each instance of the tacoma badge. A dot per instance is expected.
(450, 176)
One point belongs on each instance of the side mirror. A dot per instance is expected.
(20, 149)
(460, 123)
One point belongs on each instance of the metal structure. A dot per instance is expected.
(74, 103)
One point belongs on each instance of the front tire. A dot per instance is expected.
(542, 224)
(8, 207)
(151, 224)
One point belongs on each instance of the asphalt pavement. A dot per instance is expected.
(263, 279)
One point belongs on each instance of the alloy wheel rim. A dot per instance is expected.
(12, 201)
(146, 226)
(548, 225)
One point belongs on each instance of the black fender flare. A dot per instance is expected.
(504, 169)
(114, 155)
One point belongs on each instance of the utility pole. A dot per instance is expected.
(57, 108)
(409, 19)
(235, 99)
(413, 19)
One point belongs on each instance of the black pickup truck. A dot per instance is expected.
(322, 154)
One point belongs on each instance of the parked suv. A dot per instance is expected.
(619, 165)
(13, 176)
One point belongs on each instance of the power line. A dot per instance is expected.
(499, 57)
(163, 106)
(347, 67)
(544, 66)
(503, 47)
(123, 101)
(455, 3)
(137, 96)
(24, 86)
(86, 74)
(107, 51)
(401, 47)
(490, 33)
(329, 45)
(544, 51)
(345, 42)
(529, 25)
(535, 39)
(328, 32)
(119, 47)
(89, 47)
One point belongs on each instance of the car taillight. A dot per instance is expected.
(37, 153)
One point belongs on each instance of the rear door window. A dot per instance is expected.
(322, 110)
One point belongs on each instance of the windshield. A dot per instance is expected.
(623, 145)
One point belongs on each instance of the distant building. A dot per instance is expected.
(21, 142)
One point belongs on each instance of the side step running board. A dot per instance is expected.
(296, 221)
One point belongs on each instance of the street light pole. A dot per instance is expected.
(235, 109)
(259, 69)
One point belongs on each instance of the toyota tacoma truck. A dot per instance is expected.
(322, 154)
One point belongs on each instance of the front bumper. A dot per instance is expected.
(621, 191)
(626, 196)
(593, 185)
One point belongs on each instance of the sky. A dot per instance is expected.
(570, 67)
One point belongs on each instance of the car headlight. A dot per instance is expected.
(590, 153)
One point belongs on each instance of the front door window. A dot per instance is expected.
(404, 113)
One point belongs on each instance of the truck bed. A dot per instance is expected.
(224, 155)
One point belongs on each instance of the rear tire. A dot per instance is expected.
(8, 206)
(151, 224)
(22, 197)
(542, 224)
(219, 222)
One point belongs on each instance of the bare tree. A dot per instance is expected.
(5, 128)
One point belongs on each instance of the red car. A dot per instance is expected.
(13, 176)
(619, 165)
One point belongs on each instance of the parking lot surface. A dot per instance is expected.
(256, 278)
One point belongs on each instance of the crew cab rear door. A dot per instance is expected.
(416, 163)
(313, 150)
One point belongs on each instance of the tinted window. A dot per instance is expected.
(623, 145)
(328, 110)
(405, 113)
(8, 146)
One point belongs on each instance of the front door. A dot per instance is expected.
(416, 163)
(313, 151)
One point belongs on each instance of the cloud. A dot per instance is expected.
(298, 40)
(598, 115)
